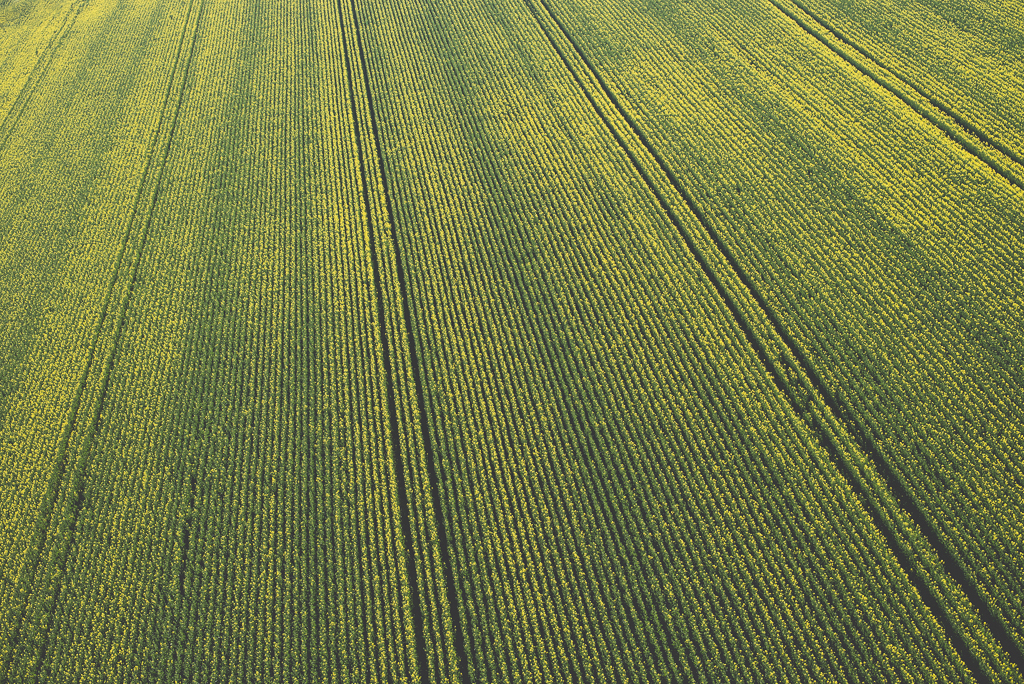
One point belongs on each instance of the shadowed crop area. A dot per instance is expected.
(485, 341)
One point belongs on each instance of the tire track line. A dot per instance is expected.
(443, 547)
(953, 565)
(39, 69)
(821, 425)
(44, 522)
(422, 660)
(389, 371)
(961, 133)
(85, 451)
(934, 101)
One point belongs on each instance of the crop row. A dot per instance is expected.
(362, 341)
(601, 424)
(966, 56)
(67, 220)
(230, 511)
(878, 244)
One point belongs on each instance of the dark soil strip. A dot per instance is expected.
(958, 136)
(859, 435)
(184, 558)
(442, 534)
(396, 445)
(938, 104)
(54, 485)
(186, 536)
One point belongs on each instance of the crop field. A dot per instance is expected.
(486, 341)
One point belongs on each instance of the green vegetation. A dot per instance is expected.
(511, 341)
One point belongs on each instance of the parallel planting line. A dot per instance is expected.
(396, 448)
(805, 371)
(966, 135)
(953, 565)
(935, 102)
(644, 604)
(77, 484)
(403, 496)
(39, 69)
(641, 607)
(442, 535)
(30, 569)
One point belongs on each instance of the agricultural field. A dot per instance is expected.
(485, 341)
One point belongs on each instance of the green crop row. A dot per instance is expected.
(879, 245)
(497, 341)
